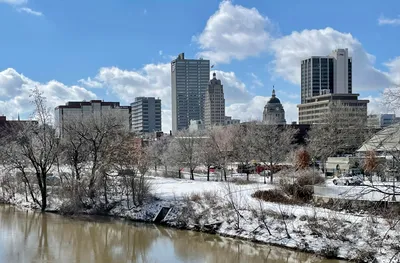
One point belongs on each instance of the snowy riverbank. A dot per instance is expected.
(228, 209)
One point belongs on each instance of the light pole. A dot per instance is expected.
(313, 169)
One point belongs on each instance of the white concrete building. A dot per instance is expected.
(83, 110)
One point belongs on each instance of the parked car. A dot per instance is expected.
(353, 177)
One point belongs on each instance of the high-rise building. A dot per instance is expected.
(326, 74)
(84, 110)
(189, 80)
(146, 115)
(214, 105)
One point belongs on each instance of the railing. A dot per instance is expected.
(354, 193)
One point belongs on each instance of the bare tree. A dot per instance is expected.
(341, 130)
(274, 143)
(222, 138)
(208, 153)
(244, 142)
(186, 147)
(33, 146)
(91, 143)
(158, 153)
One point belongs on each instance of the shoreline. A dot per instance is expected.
(111, 217)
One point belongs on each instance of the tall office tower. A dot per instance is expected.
(326, 74)
(214, 105)
(189, 80)
(146, 115)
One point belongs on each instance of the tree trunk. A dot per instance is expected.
(180, 174)
(44, 199)
(272, 173)
(247, 175)
(208, 173)
(105, 189)
(191, 174)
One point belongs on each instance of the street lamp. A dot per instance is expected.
(313, 168)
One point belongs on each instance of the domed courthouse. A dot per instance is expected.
(273, 111)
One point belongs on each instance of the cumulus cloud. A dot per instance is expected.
(394, 70)
(291, 49)
(15, 90)
(234, 89)
(389, 21)
(30, 11)
(233, 32)
(14, 2)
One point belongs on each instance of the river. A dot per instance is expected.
(28, 236)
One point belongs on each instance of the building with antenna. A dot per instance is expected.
(273, 111)
(214, 104)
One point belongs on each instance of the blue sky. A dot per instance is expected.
(117, 50)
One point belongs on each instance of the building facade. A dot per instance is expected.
(316, 108)
(196, 125)
(273, 111)
(146, 115)
(214, 103)
(83, 110)
(229, 120)
(382, 120)
(326, 74)
(189, 81)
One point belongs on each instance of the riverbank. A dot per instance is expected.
(228, 209)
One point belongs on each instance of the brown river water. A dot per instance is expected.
(27, 236)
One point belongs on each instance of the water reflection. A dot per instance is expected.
(32, 237)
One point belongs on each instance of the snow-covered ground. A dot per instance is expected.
(228, 209)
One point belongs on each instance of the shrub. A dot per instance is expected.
(195, 197)
(330, 251)
(240, 181)
(273, 195)
(300, 187)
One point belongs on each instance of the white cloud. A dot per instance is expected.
(14, 2)
(291, 49)
(394, 70)
(30, 11)
(389, 21)
(90, 83)
(16, 88)
(253, 110)
(234, 89)
(233, 32)
(256, 81)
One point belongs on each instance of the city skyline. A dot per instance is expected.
(127, 54)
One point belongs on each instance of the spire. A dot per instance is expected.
(18, 117)
(273, 91)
